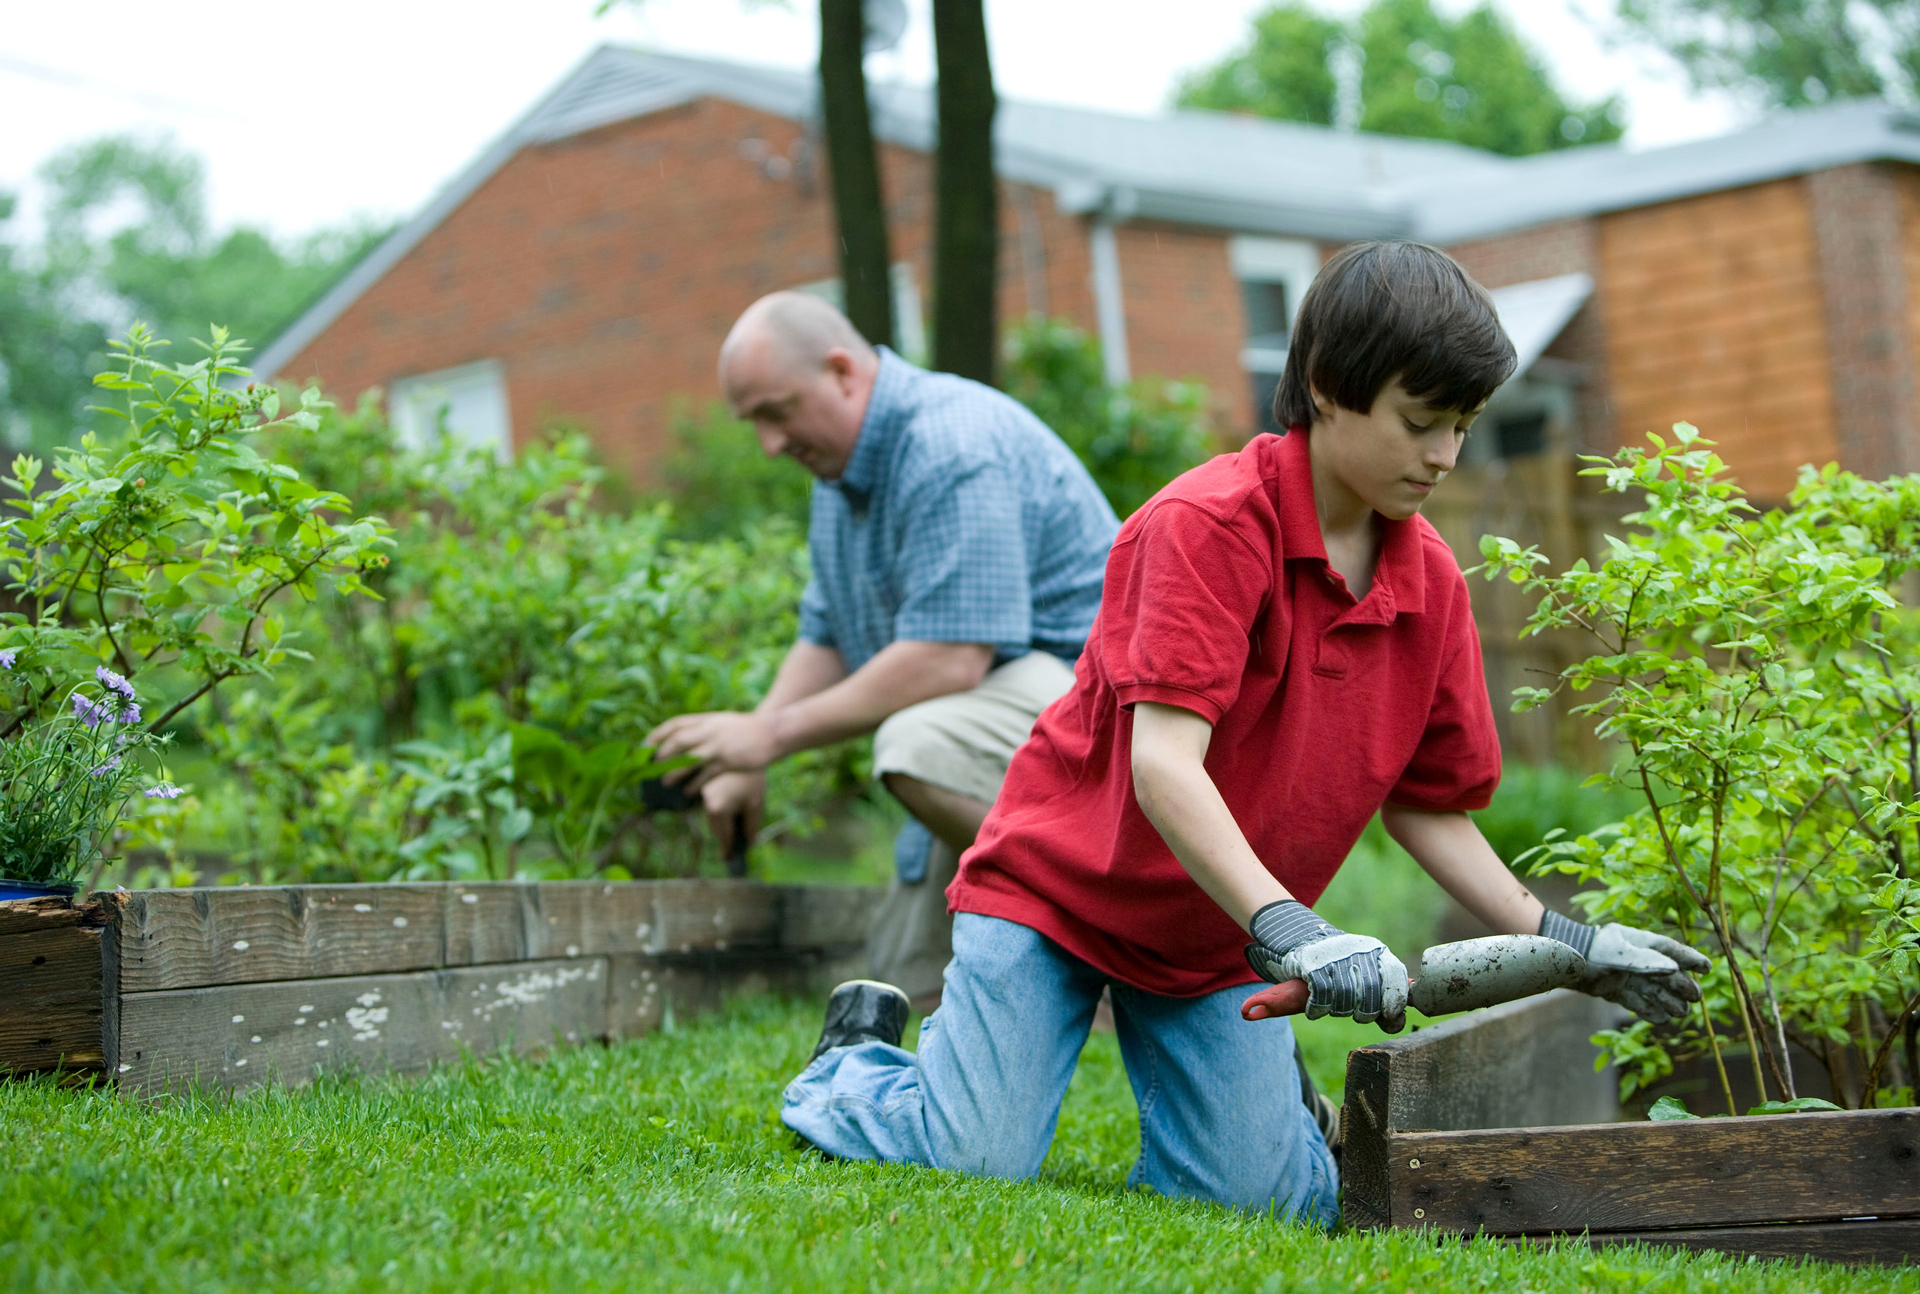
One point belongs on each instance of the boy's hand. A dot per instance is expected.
(1642, 971)
(1351, 975)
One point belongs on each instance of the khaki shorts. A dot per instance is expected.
(962, 743)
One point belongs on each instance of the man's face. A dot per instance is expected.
(812, 417)
(1391, 456)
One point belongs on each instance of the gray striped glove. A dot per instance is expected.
(1346, 974)
(1642, 971)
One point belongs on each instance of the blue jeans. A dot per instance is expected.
(1220, 1112)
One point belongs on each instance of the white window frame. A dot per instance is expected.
(909, 318)
(1289, 261)
(474, 397)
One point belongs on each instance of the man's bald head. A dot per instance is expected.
(801, 373)
(795, 332)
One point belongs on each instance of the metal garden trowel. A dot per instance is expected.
(1463, 976)
(661, 796)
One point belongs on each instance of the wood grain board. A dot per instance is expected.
(1639, 1176)
(50, 999)
(1891, 1241)
(241, 1035)
(177, 939)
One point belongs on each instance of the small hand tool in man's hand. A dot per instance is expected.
(1463, 976)
(661, 796)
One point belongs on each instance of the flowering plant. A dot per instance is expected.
(66, 780)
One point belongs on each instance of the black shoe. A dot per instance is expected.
(862, 1010)
(1325, 1113)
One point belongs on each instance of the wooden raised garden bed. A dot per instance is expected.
(228, 987)
(1497, 1124)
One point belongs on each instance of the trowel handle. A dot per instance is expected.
(737, 847)
(1289, 998)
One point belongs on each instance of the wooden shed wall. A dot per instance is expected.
(1713, 315)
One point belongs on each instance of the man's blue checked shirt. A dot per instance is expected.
(960, 518)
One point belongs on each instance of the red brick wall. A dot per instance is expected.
(1714, 314)
(1185, 318)
(603, 271)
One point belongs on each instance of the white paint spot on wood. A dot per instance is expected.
(368, 999)
(640, 931)
(255, 1038)
(306, 1010)
(125, 1068)
(321, 1042)
(239, 1019)
(241, 1063)
(399, 923)
(534, 986)
(469, 898)
(300, 1019)
(239, 945)
(365, 1020)
(573, 950)
(325, 1023)
(363, 907)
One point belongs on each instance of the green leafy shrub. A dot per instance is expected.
(719, 481)
(1534, 801)
(171, 552)
(523, 643)
(1761, 673)
(1133, 439)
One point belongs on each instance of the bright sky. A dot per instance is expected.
(310, 113)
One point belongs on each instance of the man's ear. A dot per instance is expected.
(840, 367)
(1321, 405)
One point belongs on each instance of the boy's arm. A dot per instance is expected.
(1452, 851)
(1648, 973)
(1345, 974)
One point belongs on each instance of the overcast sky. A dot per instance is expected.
(309, 114)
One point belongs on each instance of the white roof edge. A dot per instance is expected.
(1536, 312)
(372, 267)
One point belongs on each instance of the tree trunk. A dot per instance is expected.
(966, 236)
(860, 213)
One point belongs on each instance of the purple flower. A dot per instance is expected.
(102, 770)
(129, 715)
(164, 791)
(90, 712)
(114, 683)
(8, 657)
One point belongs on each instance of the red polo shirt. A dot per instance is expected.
(1219, 599)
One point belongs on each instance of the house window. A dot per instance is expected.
(1273, 274)
(909, 323)
(470, 401)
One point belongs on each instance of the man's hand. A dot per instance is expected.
(1351, 975)
(727, 796)
(1649, 974)
(723, 742)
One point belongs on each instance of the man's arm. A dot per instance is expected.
(900, 675)
(1450, 848)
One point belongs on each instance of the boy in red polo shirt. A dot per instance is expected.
(1284, 648)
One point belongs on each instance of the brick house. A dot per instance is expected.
(586, 266)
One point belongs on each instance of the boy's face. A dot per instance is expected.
(1388, 458)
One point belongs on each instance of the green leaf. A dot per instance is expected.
(1799, 1105)
(1668, 1108)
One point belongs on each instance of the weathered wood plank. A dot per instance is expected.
(1876, 1241)
(1366, 1185)
(50, 1003)
(826, 916)
(18, 916)
(240, 1035)
(192, 938)
(643, 987)
(1649, 1176)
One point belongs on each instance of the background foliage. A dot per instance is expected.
(1410, 70)
(1786, 53)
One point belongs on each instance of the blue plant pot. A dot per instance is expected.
(31, 890)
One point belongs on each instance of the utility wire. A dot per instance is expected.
(106, 89)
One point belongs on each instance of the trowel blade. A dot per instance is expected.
(1473, 973)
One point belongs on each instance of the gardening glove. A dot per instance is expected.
(1642, 971)
(1346, 974)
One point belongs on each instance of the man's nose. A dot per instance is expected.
(772, 443)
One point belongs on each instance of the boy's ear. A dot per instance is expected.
(1321, 405)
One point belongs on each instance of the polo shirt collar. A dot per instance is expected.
(888, 409)
(1399, 577)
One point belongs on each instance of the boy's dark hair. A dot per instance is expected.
(1377, 311)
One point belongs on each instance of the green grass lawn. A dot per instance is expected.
(661, 1164)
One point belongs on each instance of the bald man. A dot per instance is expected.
(958, 548)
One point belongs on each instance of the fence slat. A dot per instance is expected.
(240, 1035)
